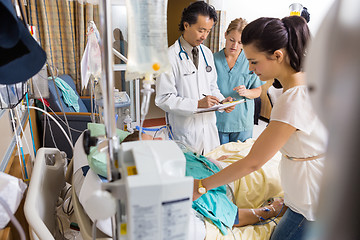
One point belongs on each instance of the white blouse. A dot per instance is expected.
(301, 180)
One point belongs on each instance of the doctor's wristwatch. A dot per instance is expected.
(201, 188)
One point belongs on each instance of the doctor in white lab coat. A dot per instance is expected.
(192, 83)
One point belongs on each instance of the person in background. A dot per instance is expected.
(122, 47)
(191, 84)
(235, 80)
(276, 48)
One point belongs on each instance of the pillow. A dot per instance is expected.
(96, 159)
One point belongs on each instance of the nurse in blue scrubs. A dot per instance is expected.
(235, 80)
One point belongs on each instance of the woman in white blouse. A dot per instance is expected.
(276, 48)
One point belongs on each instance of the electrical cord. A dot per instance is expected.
(17, 114)
(58, 117)
(61, 229)
(13, 218)
(31, 130)
(51, 134)
(69, 208)
(19, 148)
(52, 118)
(46, 120)
(45, 107)
(58, 96)
(44, 131)
(94, 230)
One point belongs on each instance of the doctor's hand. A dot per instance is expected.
(208, 101)
(229, 109)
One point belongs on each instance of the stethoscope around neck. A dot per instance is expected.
(208, 68)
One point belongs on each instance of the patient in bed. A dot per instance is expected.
(216, 205)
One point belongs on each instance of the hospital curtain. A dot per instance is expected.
(61, 28)
(216, 36)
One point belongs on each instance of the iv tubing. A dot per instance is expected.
(19, 146)
(57, 123)
(32, 133)
(17, 113)
(147, 91)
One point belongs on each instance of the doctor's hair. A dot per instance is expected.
(271, 34)
(237, 24)
(191, 13)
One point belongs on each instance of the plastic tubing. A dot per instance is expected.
(32, 133)
(57, 123)
(19, 145)
(13, 219)
(147, 90)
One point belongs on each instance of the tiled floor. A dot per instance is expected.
(157, 123)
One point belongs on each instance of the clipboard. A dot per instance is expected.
(219, 107)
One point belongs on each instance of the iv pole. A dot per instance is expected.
(107, 82)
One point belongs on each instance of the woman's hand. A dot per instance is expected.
(248, 93)
(241, 90)
(196, 194)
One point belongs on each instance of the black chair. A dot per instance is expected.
(54, 137)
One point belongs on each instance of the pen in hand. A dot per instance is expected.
(208, 101)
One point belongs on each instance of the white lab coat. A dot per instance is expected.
(178, 92)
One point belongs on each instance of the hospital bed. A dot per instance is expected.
(250, 192)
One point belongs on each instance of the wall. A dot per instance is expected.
(175, 8)
(119, 20)
(7, 140)
(253, 9)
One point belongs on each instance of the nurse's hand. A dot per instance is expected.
(229, 109)
(208, 101)
(241, 90)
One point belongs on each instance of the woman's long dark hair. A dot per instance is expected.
(271, 34)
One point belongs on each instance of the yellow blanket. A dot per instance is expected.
(250, 191)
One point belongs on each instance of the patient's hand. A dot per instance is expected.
(223, 157)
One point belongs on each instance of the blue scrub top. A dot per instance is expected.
(242, 117)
